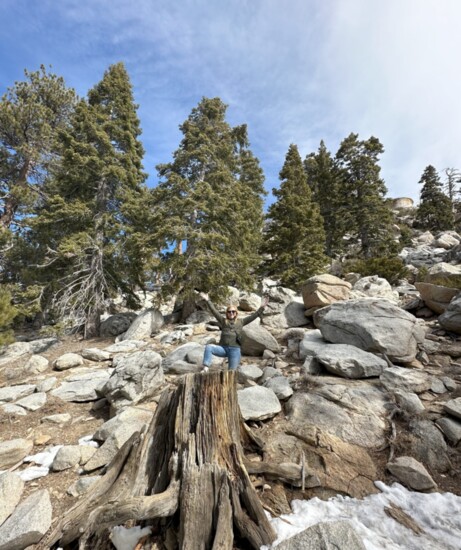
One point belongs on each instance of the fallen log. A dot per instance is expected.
(188, 466)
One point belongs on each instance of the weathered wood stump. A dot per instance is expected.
(188, 467)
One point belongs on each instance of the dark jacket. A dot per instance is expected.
(231, 331)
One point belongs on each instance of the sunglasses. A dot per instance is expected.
(232, 311)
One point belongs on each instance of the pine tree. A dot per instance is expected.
(362, 197)
(294, 238)
(209, 207)
(322, 177)
(7, 314)
(435, 211)
(31, 113)
(94, 224)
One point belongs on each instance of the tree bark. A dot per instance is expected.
(188, 466)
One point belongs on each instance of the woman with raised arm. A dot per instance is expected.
(231, 333)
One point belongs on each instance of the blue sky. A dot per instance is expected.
(295, 71)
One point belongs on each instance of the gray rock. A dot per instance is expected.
(411, 473)
(200, 316)
(443, 270)
(183, 367)
(28, 523)
(312, 344)
(135, 377)
(32, 402)
(428, 445)
(11, 487)
(249, 301)
(409, 402)
(117, 324)
(451, 429)
(437, 386)
(280, 386)
(131, 415)
(356, 414)
(13, 451)
(449, 383)
(173, 337)
(68, 361)
(249, 372)
(125, 428)
(331, 535)
(102, 456)
(180, 354)
(278, 295)
(95, 354)
(255, 339)
(258, 403)
(401, 378)
(47, 384)
(15, 410)
(36, 364)
(146, 323)
(422, 256)
(294, 313)
(451, 318)
(350, 362)
(269, 372)
(13, 351)
(126, 346)
(268, 354)
(373, 325)
(82, 485)
(287, 315)
(86, 453)
(447, 240)
(311, 366)
(13, 393)
(59, 419)
(42, 344)
(374, 287)
(67, 457)
(453, 407)
(82, 387)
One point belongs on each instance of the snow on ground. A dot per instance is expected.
(438, 515)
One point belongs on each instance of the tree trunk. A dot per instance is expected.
(188, 467)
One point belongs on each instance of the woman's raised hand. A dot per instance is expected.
(204, 296)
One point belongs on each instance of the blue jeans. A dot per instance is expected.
(231, 352)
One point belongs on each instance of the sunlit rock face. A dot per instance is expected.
(403, 202)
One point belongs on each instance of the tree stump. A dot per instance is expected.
(188, 466)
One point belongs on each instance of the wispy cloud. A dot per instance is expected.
(296, 71)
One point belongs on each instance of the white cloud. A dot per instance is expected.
(392, 73)
(296, 71)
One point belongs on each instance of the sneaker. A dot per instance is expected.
(205, 369)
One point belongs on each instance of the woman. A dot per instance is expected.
(231, 334)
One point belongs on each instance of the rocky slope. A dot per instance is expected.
(366, 387)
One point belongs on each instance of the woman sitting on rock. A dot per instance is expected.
(231, 333)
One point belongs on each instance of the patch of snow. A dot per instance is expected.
(127, 539)
(438, 515)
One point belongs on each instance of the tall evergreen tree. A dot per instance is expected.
(209, 206)
(435, 211)
(31, 113)
(322, 177)
(294, 238)
(362, 196)
(94, 224)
